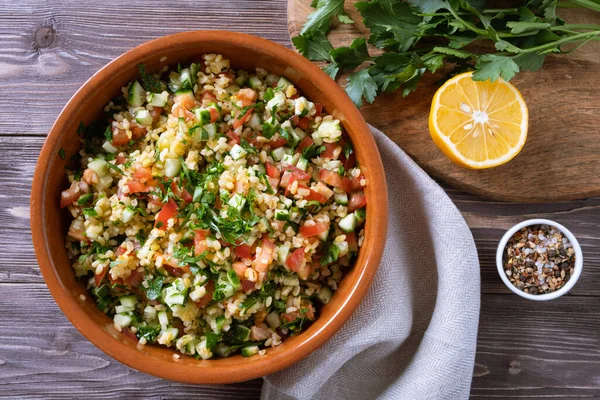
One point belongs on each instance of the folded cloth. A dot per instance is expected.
(414, 334)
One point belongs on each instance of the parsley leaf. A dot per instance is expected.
(319, 20)
(148, 81)
(315, 47)
(491, 66)
(351, 57)
(61, 153)
(360, 84)
(154, 288)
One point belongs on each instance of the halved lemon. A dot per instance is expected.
(478, 124)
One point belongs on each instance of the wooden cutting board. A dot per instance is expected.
(561, 159)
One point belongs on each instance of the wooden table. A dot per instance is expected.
(48, 50)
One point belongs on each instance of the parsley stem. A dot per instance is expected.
(468, 25)
(586, 4)
(558, 43)
(575, 26)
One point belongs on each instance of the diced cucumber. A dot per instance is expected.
(282, 215)
(149, 313)
(223, 350)
(240, 333)
(137, 94)
(172, 331)
(329, 130)
(122, 320)
(254, 82)
(249, 351)
(278, 101)
(287, 159)
(143, 117)
(163, 318)
(341, 198)
(202, 115)
(279, 153)
(158, 99)
(194, 69)
(172, 167)
(128, 214)
(183, 129)
(128, 301)
(360, 215)
(255, 121)
(323, 235)
(343, 247)
(175, 299)
(237, 201)
(197, 293)
(99, 166)
(291, 280)
(185, 78)
(283, 84)
(302, 164)
(109, 147)
(211, 129)
(299, 133)
(282, 253)
(348, 223)
(122, 309)
(203, 351)
(273, 320)
(324, 294)
(237, 152)
(240, 80)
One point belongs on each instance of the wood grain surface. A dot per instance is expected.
(561, 158)
(48, 49)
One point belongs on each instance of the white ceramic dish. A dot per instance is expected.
(547, 296)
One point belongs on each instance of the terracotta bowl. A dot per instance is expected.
(49, 223)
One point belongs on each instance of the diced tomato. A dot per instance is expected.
(180, 111)
(70, 195)
(318, 109)
(329, 150)
(181, 192)
(234, 138)
(275, 144)
(135, 186)
(352, 242)
(294, 120)
(315, 196)
(246, 96)
(214, 114)
(166, 213)
(312, 230)
(274, 182)
(295, 260)
(98, 277)
(135, 278)
(204, 300)
(247, 285)
(304, 143)
(208, 97)
(241, 121)
(303, 123)
(113, 281)
(143, 174)
(357, 200)
(350, 161)
(120, 159)
(298, 173)
(137, 132)
(285, 179)
(266, 255)
(239, 268)
(291, 316)
(174, 271)
(120, 250)
(119, 137)
(347, 185)
(355, 182)
(243, 251)
(155, 112)
(200, 241)
(272, 171)
(186, 99)
(331, 178)
(240, 187)
(228, 75)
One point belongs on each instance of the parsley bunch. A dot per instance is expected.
(420, 36)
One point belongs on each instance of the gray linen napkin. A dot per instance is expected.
(414, 335)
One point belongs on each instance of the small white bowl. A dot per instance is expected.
(546, 296)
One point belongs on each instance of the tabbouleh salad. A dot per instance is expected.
(214, 210)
